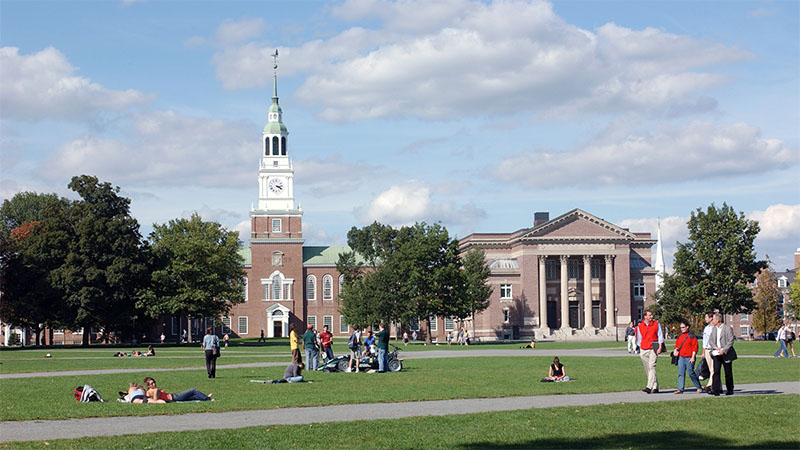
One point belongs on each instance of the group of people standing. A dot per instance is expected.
(718, 354)
(376, 344)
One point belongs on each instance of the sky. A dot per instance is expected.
(473, 114)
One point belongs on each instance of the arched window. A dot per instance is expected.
(327, 287)
(341, 282)
(275, 145)
(277, 313)
(311, 288)
(266, 146)
(283, 146)
(277, 287)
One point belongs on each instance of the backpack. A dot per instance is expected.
(790, 335)
(352, 343)
(86, 393)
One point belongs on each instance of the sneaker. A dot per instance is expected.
(646, 390)
(654, 391)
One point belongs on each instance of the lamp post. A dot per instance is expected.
(616, 328)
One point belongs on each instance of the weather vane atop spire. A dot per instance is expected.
(275, 60)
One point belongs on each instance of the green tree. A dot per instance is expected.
(33, 242)
(106, 267)
(792, 307)
(413, 273)
(477, 291)
(765, 295)
(197, 269)
(714, 268)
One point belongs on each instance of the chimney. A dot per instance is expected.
(542, 217)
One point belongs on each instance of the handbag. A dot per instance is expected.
(675, 358)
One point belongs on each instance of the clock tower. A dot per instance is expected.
(276, 215)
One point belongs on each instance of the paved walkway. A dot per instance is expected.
(38, 430)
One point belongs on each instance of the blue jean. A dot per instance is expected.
(312, 359)
(782, 349)
(190, 395)
(383, 360)
(686, 365)
(328, 353)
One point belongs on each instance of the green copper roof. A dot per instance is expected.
(244, 252)
(275, 107)
(326, 255)
(275, 128)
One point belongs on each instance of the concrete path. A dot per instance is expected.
(38, 430)
(596, 352)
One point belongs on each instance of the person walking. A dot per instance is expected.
(326, 340)
(723, 354)
(649, 338)
(382, 342)
(781, 338)
(630, 336)
(262, 338)
(211, 347)
(790, 337)
(310, 347)
(686, 351)
(294, 345)
(708, 318)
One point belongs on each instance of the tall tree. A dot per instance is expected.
(792, 306)
(413, 273)
(715, 266)
(765, 294)
(198, 270)
(105, 268)
(33, 242)
(476, 289)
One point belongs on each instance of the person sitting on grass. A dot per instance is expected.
(292, 374)
(557, 372)
(190, 395)
(531, 344)
(150, 351)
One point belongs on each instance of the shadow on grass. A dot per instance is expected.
(667, 439)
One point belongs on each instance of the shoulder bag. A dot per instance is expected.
(675, 358)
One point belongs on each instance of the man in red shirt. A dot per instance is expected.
(649, 338)
(686, 350)
(326, 338)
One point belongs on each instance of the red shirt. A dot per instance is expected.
(688, 343)
(326, 338)
(648, 334)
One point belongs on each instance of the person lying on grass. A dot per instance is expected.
(557, 372)
(136, 394)
(154, 394)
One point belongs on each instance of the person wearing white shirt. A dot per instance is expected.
(707, 347)
(781, 338)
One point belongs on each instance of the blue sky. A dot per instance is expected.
(475, 114)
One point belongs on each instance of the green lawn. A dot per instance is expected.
(770, 423)
(421, 379)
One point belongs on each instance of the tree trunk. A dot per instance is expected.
(189, 329)
(38, 335)
(428, 339)
(85, 338)
(50, 332)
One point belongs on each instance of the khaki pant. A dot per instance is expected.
(710, 361)
(649, 359)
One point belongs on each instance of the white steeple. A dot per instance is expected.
(275, 171)
(660, 267)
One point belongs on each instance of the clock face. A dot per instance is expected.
(276, 185)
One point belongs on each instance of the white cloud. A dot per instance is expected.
(778, 222)
(314, 235)
(457, 57)
(243, 228)
(232, 32)
(413, 202)
(43, 85)
(164, 148)
(699, 150)
(331, 175)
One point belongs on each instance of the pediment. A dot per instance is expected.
(578, 224)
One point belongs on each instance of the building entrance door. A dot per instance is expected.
(573, 315)
(552, 314)
(277, 329)
(596, 314)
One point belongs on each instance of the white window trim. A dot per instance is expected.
(311, 320)
(510, 291)
(279, 222)
(434, 324)
(506, 315)
(226, 324)
(452, 322)
(329, 296)
(311, 294)
(239, 325)
(330, 325)
(343, 326)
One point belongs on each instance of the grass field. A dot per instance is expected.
(421, 379)
(674, 424)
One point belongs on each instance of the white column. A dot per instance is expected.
(587, 291)
(610, 302)
(542, 293)
(564, 297)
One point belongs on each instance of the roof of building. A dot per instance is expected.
(326, 255)
(637, 262)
